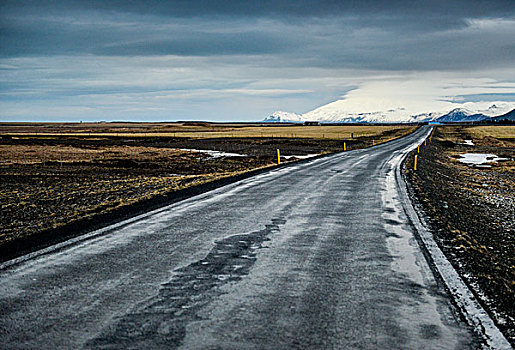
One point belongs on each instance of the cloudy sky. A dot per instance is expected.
(242, 60)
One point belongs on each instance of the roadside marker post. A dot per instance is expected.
(415, 167)
(373, 142)
(344, 146)
(425, 142)
(278, 156)
(418, 149)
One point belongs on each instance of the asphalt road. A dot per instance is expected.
(316, 255)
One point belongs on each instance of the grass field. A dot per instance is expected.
(201, 130)
(483, 135)
(500, 135)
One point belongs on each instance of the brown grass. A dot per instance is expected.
(499, 132)
(38, 154)
(502, 136)
(339, 132)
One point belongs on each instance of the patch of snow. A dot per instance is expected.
(213, 154)
(300, 157)
(479, 158)
(469, 143)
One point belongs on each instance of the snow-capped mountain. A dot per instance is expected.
(334, 116)
(342, 112)
(461, 115)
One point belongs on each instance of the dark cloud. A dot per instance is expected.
(203, 44)
(265, 8)
(374, 34)
(54, 38)
(373, 42)
(153, 51)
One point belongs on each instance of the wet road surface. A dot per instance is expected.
(314, 255)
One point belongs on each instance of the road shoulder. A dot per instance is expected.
(465, 300)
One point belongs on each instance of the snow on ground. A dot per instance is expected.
(219, 154)
(479, 158)
(301, 157)
(214, 154)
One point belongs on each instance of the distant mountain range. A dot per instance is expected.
(333, 113)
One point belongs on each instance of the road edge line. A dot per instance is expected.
(464, 299)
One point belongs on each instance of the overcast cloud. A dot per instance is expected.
(239, 60)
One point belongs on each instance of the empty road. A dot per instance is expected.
(318, 255)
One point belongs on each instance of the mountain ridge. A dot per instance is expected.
(333, 113)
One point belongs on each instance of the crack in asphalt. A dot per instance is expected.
(161, 320)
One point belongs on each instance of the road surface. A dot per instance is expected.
(314, 255)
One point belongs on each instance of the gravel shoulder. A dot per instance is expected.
(470, 210)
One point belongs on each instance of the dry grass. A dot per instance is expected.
(500, 132)
(39, 154)
(204, 130)
(502, 136)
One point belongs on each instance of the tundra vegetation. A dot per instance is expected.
(471, 208)
(60, 180)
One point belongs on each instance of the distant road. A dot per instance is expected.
(316, 255)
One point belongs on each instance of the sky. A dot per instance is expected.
(242, 60)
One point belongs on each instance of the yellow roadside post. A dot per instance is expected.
(415, 167)
(344, 146)
(418, 149)
(278, 156)
(373, 142)
(425, 142)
